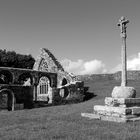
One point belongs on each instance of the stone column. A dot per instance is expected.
(35, 92)
(122, 24)
(124, 63)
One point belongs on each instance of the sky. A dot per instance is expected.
(82, 34)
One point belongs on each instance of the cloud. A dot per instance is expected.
(133, 63)
(116, 68)
(81, 67)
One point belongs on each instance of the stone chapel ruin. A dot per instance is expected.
(47, 82)
(67, 84)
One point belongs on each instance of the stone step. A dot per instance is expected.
(119, 119)
(116, 111)
(123, 102)
(135, 110)
(91, 115)
(109, 109)
(110, 118)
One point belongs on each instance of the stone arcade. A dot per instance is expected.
(20, 86)
(122, 106)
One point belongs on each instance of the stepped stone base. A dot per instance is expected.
(116, 110)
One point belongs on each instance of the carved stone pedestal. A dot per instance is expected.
(121, 107)
(117, 110)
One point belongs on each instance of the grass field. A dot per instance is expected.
(64, 122)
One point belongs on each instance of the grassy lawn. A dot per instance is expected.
(64, 122)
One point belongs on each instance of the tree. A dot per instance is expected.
(13, 59)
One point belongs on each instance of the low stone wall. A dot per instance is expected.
(131, 75)
(95, 77)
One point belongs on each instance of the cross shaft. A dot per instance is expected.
(122, 24)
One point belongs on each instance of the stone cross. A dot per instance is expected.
(122, 24)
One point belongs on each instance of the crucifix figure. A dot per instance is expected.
(122, 24)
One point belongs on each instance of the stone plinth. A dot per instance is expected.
(122, 102)
(112, 110)
(111, 118)
(117, 110)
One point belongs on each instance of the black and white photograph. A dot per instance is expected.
(69, 70)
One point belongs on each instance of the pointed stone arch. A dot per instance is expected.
(64, 81)
(25, 79)
(6, 77)
(43, 86)
(64, 92)
(10, 98)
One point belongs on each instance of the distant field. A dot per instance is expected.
(64, 122)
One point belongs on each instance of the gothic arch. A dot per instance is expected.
(64, 81)
(64, 92)
(25, 79)
(43, 86)
(10, 98)
(6, 77)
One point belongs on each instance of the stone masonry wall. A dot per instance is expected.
(46, 61)
(131, 75)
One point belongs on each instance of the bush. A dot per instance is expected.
(15, 60)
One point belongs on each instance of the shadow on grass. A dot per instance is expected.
(88, 95)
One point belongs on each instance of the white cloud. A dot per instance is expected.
(133, 63)
(115, 69)
(81, 67)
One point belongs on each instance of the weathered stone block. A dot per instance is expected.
(135, 110)
(113, 101)
(123, 92)
(110, 109)
(18, 106)
(43, 98)
(113, 119)
(125, 118)
(122, 102)
(91, 115)
(119, 119)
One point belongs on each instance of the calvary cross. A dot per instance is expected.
(122, 24)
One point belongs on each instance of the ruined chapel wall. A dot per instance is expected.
(46, 61)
